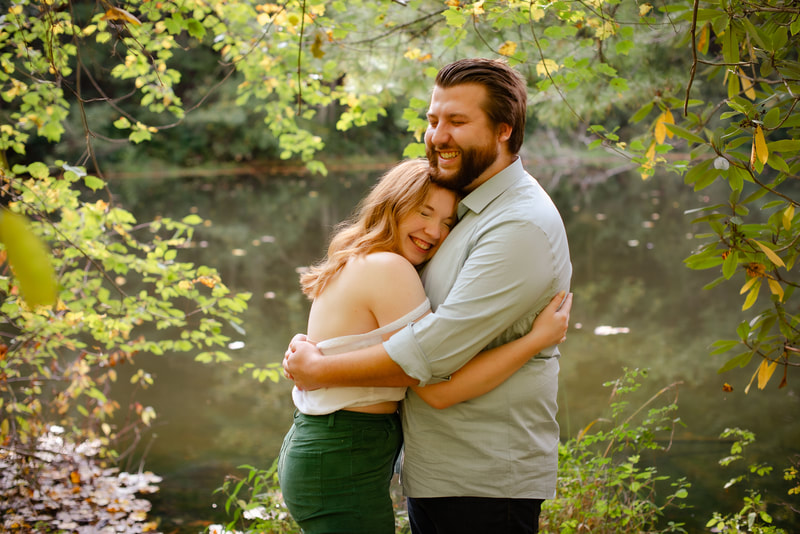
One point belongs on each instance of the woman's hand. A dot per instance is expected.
(552, 323)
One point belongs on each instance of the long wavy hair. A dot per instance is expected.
(373, 225)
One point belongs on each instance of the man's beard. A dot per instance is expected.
(473, 162)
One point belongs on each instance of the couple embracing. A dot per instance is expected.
(444, 348)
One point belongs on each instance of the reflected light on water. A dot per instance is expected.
(605, 330)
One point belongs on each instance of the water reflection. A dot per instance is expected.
(627, 239)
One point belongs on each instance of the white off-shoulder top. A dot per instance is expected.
(327, 400)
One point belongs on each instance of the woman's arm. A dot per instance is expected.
(492, 367)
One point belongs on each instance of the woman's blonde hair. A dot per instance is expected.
(373, 225)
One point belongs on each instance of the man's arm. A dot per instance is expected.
(511, 271)
(371, 366)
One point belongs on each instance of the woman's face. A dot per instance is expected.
(422, 231)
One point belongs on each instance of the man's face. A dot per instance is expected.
(461, 143)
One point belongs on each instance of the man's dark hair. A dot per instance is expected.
(507, 96)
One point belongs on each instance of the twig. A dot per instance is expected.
(693, 70)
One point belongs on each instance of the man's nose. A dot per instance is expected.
(438, 135)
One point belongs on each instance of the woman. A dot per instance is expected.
(336, 461)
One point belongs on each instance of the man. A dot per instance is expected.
(484, 465)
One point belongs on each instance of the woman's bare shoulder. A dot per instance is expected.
(383, 265)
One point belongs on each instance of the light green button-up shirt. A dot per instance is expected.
(502, 263)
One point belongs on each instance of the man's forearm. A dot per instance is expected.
(370, 366)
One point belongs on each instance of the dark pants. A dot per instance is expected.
(474, 515)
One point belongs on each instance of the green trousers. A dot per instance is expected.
(334, 471)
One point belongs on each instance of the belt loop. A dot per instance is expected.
(331, 420)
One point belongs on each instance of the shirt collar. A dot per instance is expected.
(485, 193)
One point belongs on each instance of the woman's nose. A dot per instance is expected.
(433, 229)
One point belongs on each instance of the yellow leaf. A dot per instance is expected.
(751, 297)
(747, 85)
(115, 13)
(748, 285)
(651, 158)
(760, 144)
(644, 9)
(774, 258)
(585, 430)
(546, 67)
(765, 371)
(29, 259)
(788, 217)
(412, 53)
(703, 39)
(747, 389)
(776, 288)
(662, 132)
(316, 47)
(508, 48)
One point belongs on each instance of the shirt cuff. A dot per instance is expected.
(403, 348)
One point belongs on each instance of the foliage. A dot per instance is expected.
(753, 516)
(122, 288)
(254, 502)
(609, 64)
(603, 484)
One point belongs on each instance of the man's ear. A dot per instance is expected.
(504, 132)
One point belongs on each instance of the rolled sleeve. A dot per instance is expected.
(403, 348)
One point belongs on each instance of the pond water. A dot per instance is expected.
(636, 305)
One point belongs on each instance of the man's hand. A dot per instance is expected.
(300, 361)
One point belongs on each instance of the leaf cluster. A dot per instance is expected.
(122, 291)
(604, 484)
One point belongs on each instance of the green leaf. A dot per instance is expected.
(738, 361)
(729, 264)
(39, 170)
(455, 18)
(195, 29)
(784, 145)
(140, 135)
(93, 182)
(192, 220)
(696, 172)
(685, 134)
(642, 112)
(414, 150)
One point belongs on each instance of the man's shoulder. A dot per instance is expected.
(525, 201)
